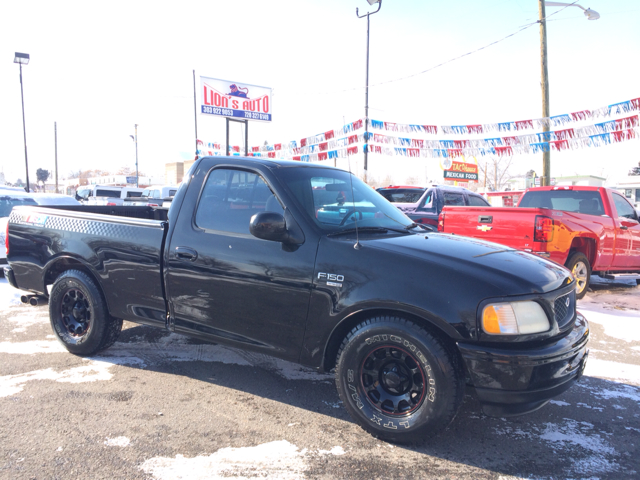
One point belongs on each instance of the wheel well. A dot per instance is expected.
(64, 264)
(586, 246)
(341, 331)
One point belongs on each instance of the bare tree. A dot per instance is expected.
(494, 171)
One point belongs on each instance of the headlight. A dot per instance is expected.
(515, 318)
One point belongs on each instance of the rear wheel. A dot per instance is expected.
(79, 316)
(398, 382)
(579, 265)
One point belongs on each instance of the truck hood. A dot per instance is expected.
(512, 272)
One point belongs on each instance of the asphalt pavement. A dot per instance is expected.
(163, 406)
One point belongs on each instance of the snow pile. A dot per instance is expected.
(275, 460)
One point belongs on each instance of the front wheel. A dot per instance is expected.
(398, 382)
(578, 263)
(79, 316)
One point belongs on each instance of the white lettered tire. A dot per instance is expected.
(398, 381)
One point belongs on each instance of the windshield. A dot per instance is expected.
(401, 195)
(328, 198)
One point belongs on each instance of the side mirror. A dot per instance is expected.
(273, 226)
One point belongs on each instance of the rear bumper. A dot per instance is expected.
(515, 382)
(11, 278)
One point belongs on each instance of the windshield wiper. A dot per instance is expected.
(428, 228)
(365, 230)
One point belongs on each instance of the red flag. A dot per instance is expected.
(328, 135)
(461, 143)
(500, 151)
(323, 146)
(524, 124)
(352, 150)
(564, 134)
(581, 115)
(323, 155)
(474, 128)
(430, 129)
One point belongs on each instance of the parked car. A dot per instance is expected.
(428, 207)
(587, 229)
(155, 196)
(309, 264)
(14, 198)
(401, 193)
(106, 194)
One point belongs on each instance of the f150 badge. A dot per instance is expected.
(333, 280)
(484, 228)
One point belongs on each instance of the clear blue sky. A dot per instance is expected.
(98, 68)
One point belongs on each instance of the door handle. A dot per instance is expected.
(622, 227)
(186, 253)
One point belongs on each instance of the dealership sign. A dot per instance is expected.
(236, 100)
(461, 171)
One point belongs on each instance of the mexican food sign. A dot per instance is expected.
(234, 99)
(461, 171)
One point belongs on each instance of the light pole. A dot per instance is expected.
(135, 140)
(366, 90)
(23, 59)
(591, 15)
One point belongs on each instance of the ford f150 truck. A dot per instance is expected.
(309, 264)
(587, 229)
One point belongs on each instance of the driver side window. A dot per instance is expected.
(623, 208)
(230, 198)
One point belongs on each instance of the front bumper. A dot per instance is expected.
(514, 382)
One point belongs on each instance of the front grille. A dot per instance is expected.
(563, 312)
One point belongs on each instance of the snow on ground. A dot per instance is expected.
(620, 324)
(117, 442)
(588, 449)
(279, 460)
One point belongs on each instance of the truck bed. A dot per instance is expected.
(122, 244)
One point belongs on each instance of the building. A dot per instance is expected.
(630, 188)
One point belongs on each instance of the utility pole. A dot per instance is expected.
(366, 92)
(55, 133)
(546, 153)
(136, 140)
(495, 175)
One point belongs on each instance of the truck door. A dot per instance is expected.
(627, 234)
(227, 285)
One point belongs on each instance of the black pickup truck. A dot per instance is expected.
(309, 264)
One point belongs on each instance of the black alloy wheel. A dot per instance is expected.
(393, 380)
(79, 315)
(75, 312)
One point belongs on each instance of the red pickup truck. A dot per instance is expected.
(586, 229)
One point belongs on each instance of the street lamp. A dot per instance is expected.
(366, 90)
(23, 59)
(591, 15)
(135, 140)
